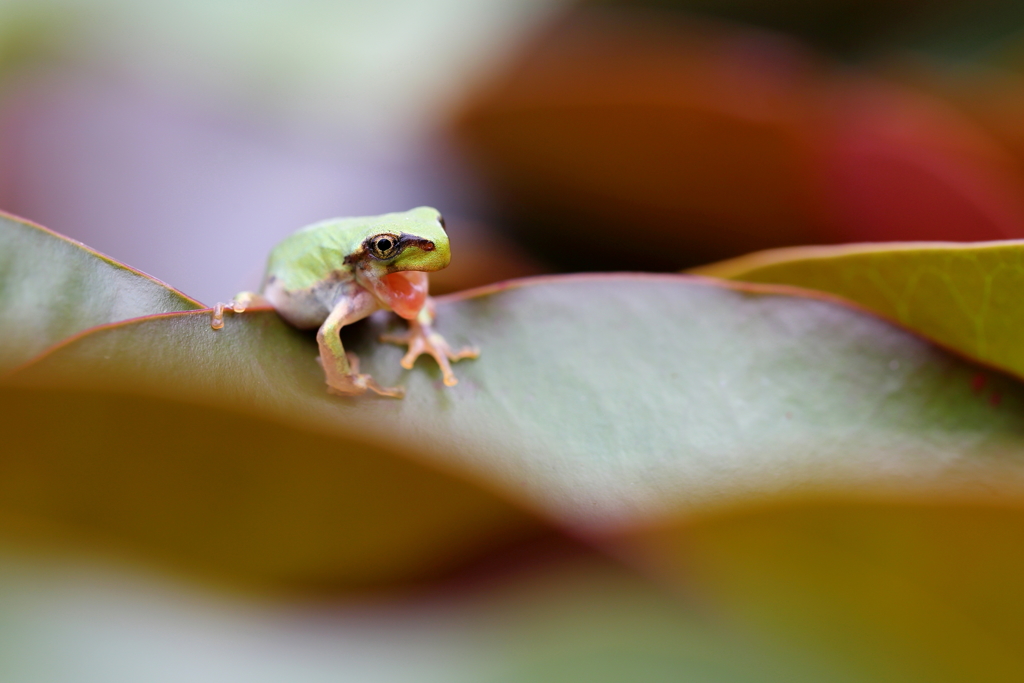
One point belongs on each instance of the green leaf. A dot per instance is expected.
(963, 297)
(564, 618)
(606, 405)
(602, 403)
(887, 590)
(52, 287)
(220, 492)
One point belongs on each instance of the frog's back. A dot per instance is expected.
(314, 254)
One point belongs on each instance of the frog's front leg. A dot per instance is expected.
(341, 368)
(241, 301)
(422, 339)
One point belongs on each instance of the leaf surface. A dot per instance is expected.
(963, 296)
(52, 287)
(600, 402)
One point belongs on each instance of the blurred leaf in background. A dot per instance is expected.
(701, 131)
(855, 29)
(961, 296)
(639, 143)
(553, 615)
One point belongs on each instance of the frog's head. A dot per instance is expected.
(397, 251)
(410, 240)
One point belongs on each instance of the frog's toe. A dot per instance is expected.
(466, 352)
(217, 317)
(355, 383)
(420, 341)
(393, 392)
(241, 302)
(435, 345)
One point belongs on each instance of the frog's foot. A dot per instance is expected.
(421, 339)
(237, 305)
(354, 383)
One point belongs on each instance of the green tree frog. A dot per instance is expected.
(333, 273)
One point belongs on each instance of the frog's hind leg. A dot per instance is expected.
(340, 367)
(422, 339)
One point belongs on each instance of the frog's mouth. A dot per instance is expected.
(405, 292)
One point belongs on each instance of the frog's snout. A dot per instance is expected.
(422, 253)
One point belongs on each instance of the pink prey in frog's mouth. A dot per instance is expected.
(404, 292)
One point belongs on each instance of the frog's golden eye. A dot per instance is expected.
(384, 246)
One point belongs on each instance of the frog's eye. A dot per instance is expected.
(440, 219)
(384, 246)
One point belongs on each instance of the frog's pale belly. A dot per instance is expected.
(308, 308)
